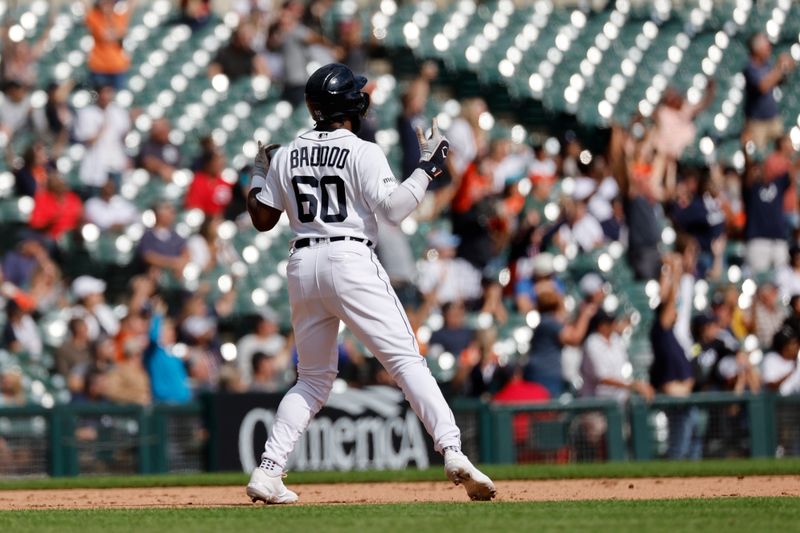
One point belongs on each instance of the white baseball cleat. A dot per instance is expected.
(269, 488)
(461, 471)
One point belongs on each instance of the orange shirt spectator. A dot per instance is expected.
(56, 209)
(474, 186)
(108, 27)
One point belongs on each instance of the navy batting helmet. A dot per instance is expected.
(333, 93)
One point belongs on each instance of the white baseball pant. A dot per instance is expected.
(343, 280)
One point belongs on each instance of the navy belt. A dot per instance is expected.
(308, 241)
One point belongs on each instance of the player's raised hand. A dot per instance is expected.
(263, 158)
(433, 150)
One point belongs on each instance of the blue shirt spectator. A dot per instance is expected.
(544, 365)
(757, 104)
(161, 247)
(168, 377)
(455, 336)
(763, 204)
(20, 263)
(550, 336)
(669, 359)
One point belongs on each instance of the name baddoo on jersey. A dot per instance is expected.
(318, 156)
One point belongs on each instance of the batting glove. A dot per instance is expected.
(261, 165)
(433, 151)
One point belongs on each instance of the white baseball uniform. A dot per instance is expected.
(330, 184)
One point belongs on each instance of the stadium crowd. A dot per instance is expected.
(506, 214)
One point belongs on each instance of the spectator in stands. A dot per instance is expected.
(675, 130)
(33, 174)
(779, 369)
(15, 109)
(542, 173)
(127, 381)
(642, 208)
(20, 60)
(605, 368)
(767, 314)
(76, 351)
(352, 43)
(542, 278)
(21, 263)
(468, 140)
(265, 374)
(56, 209)
(207, 250)
(765, 227)
(788, 278)
(454, 336)
(89, 292)
(395, 254)
(782, 161)
(161, 248)
(94, 388)
(793, 320)
(230, 380)
(209, 191)
(600, 201)
(763, 123)
(47, 289)
(413, 100)
(168, 379)
(473, 212)
(553, 333)
(294, 39)
(718, 360)
(237, 59)
(671, 372)
(195, 13)
(108, 25)
(731, 318)
(615, 228)
(12, 392)
(158, 155)
(686, 248)
(202, 360)
(102, 127)
(110, 211)
(198, 329)
(443, 277)
(55, 120)
(132, 331)
(697, 212)
(579, 228)
(265, 339)
(480, 372)
(21, 334)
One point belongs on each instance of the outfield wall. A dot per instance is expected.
(373, 429)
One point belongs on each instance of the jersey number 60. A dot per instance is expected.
(308, 213)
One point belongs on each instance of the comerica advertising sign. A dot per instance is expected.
(358, 429)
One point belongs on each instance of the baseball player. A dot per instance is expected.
(331, 184)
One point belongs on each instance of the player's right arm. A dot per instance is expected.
(264, 201)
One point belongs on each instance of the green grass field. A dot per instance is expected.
(730, 515)
(710, 467)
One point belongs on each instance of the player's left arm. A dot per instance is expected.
(402, 201)
(263, 188)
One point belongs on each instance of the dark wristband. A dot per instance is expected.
(434, 166)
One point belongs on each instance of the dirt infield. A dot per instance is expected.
(549, 490)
